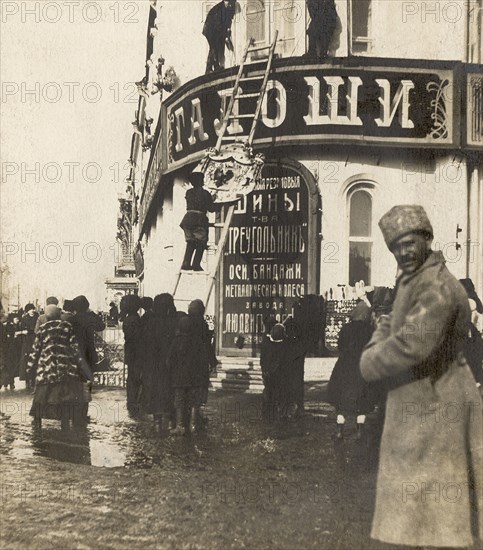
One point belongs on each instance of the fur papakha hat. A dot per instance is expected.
(403, 219)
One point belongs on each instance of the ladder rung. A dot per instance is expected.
(241, 116)
(247, 95)
(247, 78)
(259, 48)
(234, 137)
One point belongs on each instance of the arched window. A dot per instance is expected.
(360, 236)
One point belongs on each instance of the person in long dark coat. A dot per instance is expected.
(272, 356)
(86, 323)
(217, 30)
(323, 22)
(187, 363)
(280, 358)
(29, 320)
(158, 335)
(12, 347)
(202, 333)
(113, 315)
(347, 390)
(430, 479)
(147, 306)
(133, 354)
(298, 344)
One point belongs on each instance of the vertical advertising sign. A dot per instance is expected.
(266, 257)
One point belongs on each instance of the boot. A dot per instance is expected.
(200, 248)
(340, 431)
(198, 419)
(190, 248)
(360, 430)
(179, 430)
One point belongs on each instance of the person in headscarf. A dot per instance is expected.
(347, 390)
(68, 311)
(42, 318)
(432, 441)
(29, 320)
(158, 335)
(59, 370)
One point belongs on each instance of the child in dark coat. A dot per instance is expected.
(186, 364)
(279, 359)
(272, 354)
(347, 390)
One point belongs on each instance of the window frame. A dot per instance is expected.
(269, 29)
(369, 40)
(367, 187)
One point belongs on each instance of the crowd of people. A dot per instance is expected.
(53, 351)
(418, 352)
(169, 355)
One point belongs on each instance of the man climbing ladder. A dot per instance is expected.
(229, 185)
(195, 222)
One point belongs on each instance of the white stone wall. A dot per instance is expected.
(440, 186)
(419, 29)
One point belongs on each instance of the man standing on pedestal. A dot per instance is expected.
(217, 30)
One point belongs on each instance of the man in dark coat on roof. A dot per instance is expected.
(323, 22)
(217, 30)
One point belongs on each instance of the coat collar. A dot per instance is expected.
(435, 258)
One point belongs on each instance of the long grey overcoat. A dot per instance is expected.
(429, 489)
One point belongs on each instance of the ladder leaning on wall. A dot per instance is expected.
(246, 139)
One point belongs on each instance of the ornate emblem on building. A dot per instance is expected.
(439, 115)
(232, 172)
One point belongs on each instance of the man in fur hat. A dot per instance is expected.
(429, 489)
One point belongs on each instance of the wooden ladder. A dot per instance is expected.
(247, 139)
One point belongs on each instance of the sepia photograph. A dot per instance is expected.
(241, 274)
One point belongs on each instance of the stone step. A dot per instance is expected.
(240, 374)
(237, 385)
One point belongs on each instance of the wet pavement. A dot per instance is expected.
(243, 483)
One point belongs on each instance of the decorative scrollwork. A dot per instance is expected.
(171, 123)
(231, 172)
(439, 114)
